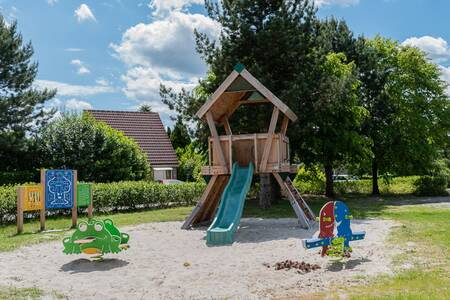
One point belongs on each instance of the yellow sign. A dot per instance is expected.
(32, 197)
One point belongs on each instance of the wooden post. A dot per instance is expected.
(216, 140)
(227, 127)
(20, 209)
(74, 208)
(284, 125)
(42, 211)
(230, 148)
(268, 145)
(91, 205)
(255, 143)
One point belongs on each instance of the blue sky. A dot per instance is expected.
(114, 54)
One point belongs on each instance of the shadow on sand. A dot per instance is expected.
(337, 266)
(84, 265)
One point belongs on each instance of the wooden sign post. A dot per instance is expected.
(58, 190)
(29, 198)
(84, 197)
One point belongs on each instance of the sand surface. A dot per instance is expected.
(165, 262)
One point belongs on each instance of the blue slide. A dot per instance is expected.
(228, 216)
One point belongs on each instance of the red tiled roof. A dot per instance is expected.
(146, 129)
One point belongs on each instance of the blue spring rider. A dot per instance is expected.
(334, 215)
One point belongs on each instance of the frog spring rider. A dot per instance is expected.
(96, 237)
(334, 214)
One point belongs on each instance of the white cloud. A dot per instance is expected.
(73, 49)
(143, 83)
(345, 3)
(167, 43)
(164, 7)
(102, 82)
(84, 13)
(163, 52)
(436, 48)
(445, 71)
(65, 89)
(75, 104)
(82, 68)
(52, 2)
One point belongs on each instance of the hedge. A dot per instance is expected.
(124, 195)
(431, 186)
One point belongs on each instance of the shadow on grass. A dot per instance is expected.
(84, 265)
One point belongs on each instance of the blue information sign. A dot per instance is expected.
(59, 186)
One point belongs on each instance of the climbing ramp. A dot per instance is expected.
(232, 201)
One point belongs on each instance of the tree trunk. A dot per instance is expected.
(275, 189)
(265, 192)
(329, 188)
(375, 188)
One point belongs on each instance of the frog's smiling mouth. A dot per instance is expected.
(86, 240)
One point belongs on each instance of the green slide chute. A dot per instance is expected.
(232, 201)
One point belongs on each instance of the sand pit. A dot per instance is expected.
(165, 262)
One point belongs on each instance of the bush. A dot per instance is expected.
(99, 152)
(431, 186)
(19, 177)
(310, 180)
(124, 195)
(191, 162)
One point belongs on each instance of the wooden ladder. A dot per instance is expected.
(304, 214)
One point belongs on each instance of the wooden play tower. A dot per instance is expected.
(269, 152)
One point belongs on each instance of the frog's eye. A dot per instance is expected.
(82, 227)
(98, 227)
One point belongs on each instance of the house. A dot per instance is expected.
(148, 131)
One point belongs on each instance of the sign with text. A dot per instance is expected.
(32, 197)
(59, 189)
(84, 194)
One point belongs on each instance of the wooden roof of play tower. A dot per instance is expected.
(240, 87)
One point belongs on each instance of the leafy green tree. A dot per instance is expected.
(338, 138)
(191, 160)
(179, 135)
(409, 112)
(99, 152)
(21, 105)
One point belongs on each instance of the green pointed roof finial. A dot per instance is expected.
(239, 67)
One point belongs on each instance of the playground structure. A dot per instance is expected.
(334, 215)
(234, 159)
(96, 237)
(59, 189)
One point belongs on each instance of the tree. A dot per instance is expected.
(337, 137)
(179, 136)
(409, 112)
(21, 105)
(99, 152)
(145, 108)
(191, 160)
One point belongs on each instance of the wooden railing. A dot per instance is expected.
(248, 148)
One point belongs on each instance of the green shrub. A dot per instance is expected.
(124, 195)
(310, 180)
(19, 177)
(431, 186)
(191, 162)
(99, 152)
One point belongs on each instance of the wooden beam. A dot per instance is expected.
(226, 124)
(216, 141)
(268, 145)
(220, 90)
(269, 95)
(284, 125)
(243, 102)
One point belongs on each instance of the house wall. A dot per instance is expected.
(161, 173)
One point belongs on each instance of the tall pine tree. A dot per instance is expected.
(21, 104)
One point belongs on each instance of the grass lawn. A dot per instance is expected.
(427, 227)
